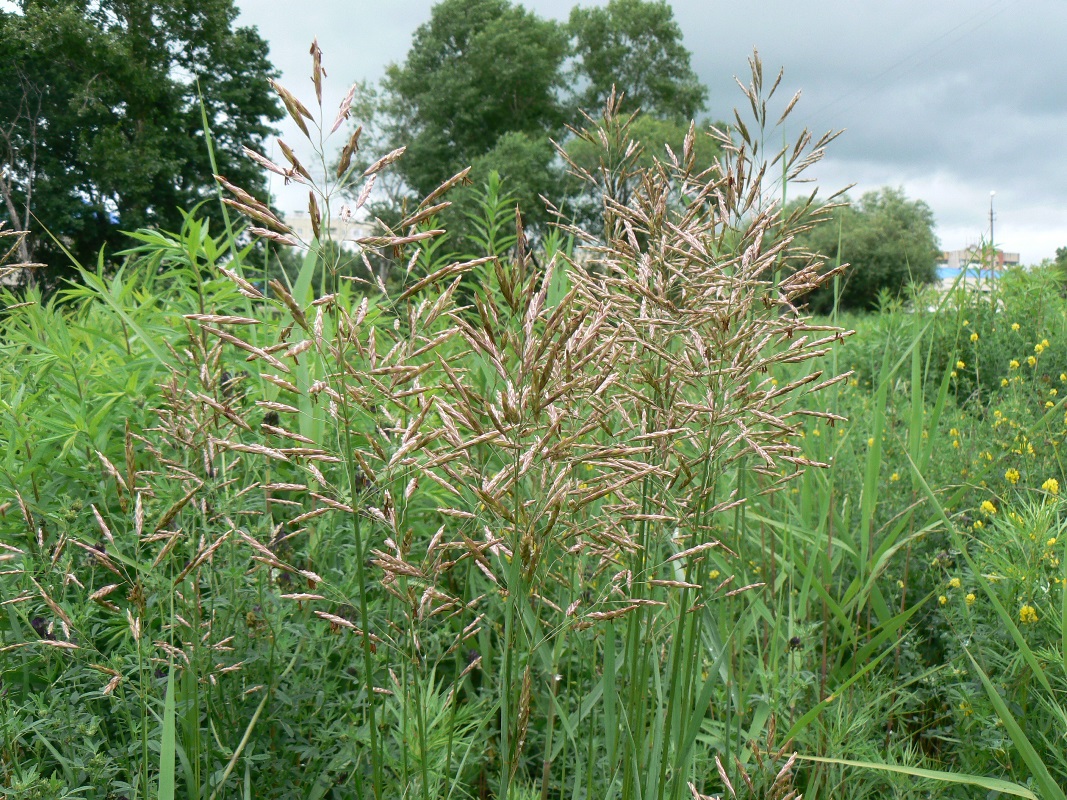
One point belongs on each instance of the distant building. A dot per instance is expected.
(975, 256)
(973, 262)
(343, 233)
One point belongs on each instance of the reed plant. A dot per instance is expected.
(581, 425)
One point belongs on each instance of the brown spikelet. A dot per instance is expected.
(383, 162)
(290, 303)
(297, 111)
(344, 111)
(317, 72)
(245, 287)
(350, 147)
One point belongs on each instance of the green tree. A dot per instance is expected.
(479, 69)
(635, 46)
(100, 119)
(484, 86)
(888, 241)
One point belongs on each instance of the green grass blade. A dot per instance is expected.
(992, 784)
(1049, 789)
(166, 745)
(241, 746)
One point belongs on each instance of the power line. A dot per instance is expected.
(912, 58)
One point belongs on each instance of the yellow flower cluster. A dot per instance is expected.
(1052, 486)
(988, 508)
(1027, 615)
(1012, 476)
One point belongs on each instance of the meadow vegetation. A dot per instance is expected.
(598, 513)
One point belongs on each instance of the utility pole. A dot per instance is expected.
(992, 240)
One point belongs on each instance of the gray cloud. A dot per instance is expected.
(948, 100)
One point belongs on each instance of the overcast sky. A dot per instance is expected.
(950, 99)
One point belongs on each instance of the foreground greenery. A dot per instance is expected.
(518, 523)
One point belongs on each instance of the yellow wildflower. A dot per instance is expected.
(969, 599)
(714, 574)
(1052, 486)
(1051, 542)
(954, 583)
(974, 337)
(942, 600)
(961, 365)
(1013, 364)
(1015, 326)
(988, 508)
(1031, 361)
(1039, 348)
(870, 442)
(1012, 476)
(978, 525)
(1027, 615)
(895, 477)
(1003, 381)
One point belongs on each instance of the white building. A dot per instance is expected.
(975, 256)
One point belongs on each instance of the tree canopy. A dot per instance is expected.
(888, 241)
(635, 46)
(486, 84)
(479, 69)
(100, 119)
